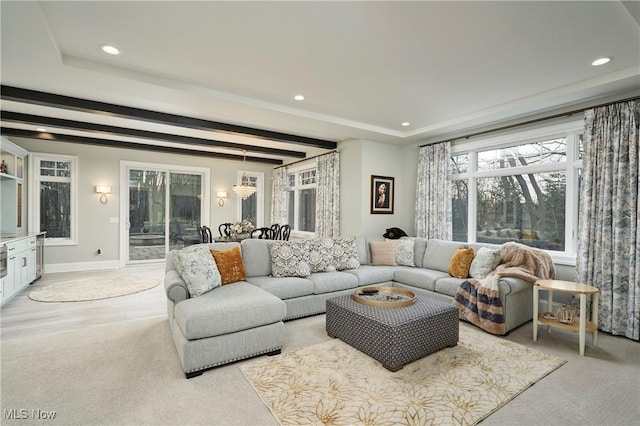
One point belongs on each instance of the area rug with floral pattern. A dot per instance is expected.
(333, 383)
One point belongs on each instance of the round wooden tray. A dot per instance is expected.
(386, 297)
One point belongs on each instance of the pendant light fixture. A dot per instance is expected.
(246, 189)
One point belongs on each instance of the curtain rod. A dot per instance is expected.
(305, 159)
(535, 120)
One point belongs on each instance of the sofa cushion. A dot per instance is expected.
(420, 245)
(371, 275)
(362, 247)
(198, 270)
(228, 309)
(438, 254)
(321, 255)
(290, 258)
(460, 262)
(448, 285)
(345, 253)
(485, 261)
(284, 287)
(257, 257)
(230, 265)
(405, 248)
(328, 282)
(418, 277)
(383, 253)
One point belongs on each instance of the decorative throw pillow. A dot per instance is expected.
(290, 258)
(230, 265)
(383, 253)
(461, 262)
(345, 253)
(404, 252)
(197, 269)
(321, 255)
(485, 261)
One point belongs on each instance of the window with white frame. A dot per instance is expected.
(54, 182)
(521, 187)
(302, 200)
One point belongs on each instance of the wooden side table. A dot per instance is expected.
(574, 288)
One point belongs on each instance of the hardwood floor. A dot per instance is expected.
(22, 316)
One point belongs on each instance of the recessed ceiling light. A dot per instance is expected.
(111, 50)
(298, 98)
(406, 123)
(601, 61)
(40, 129)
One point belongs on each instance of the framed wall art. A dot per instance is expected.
(382, 194)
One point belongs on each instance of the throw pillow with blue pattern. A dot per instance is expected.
(290, 258)
(197, 268)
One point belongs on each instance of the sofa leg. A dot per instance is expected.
(193, 374)
(276, 352)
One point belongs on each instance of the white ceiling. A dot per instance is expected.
(364, 67)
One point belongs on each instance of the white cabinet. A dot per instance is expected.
(21, 266)
(12, 189)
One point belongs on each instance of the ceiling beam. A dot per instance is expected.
(17, 117)
(17, 94)
(31, 134)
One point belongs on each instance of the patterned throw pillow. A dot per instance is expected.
(321, 255)
(383, 253)
(345, 253)
(405, 252)
(486, 260)
(461, 262)
(230, 265)
(290, 258)
(197, 269)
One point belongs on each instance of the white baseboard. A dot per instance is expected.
(53, 268)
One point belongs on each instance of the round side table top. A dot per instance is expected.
(567, 286)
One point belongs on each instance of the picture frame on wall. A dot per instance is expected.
(382, 194)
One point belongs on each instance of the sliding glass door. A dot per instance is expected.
(165, 212)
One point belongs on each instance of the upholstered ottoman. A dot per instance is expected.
(394, 336)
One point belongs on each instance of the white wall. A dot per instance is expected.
(359, 160)
(101, 165)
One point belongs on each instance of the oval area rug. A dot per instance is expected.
(92, 288)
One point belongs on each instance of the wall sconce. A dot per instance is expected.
(103, 191)
(221, 195)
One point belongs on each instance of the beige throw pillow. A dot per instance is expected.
(383, 253)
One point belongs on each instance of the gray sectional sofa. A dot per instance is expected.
(245, 319)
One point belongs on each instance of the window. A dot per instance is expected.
(302, 200)
(521, 187)
(252, 208)
(53, 192)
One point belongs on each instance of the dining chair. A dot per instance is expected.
(275, 231)
(205, 232)
(285, 231)
(225, 229)
(262, 233)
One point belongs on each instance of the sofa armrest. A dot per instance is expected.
(174, 286)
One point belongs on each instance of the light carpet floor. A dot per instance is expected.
(90, 288)
(128, 373)
(333, 383)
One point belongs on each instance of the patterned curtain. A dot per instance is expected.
(279, 197)
(433, 192)
(608, 243)
(328, 196)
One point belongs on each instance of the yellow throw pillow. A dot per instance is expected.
(460, 262)
(383, 253)
(230, 265)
